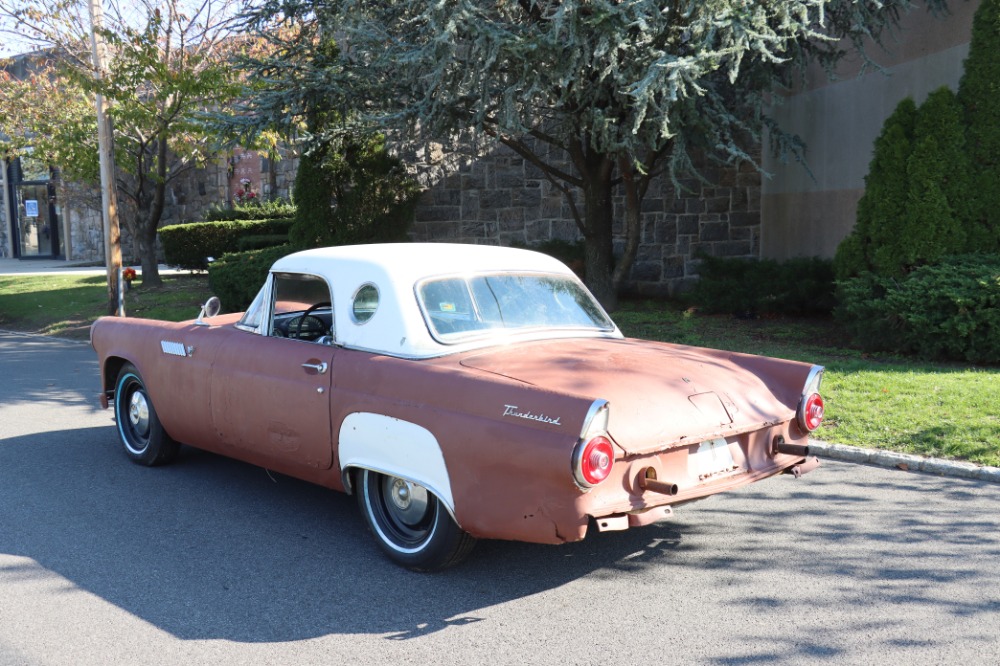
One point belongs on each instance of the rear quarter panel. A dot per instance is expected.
(511, 478)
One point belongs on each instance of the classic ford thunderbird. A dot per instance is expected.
(460, 392)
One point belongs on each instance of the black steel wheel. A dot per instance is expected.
(410, 524)
(143, 438)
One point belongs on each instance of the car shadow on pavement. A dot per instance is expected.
(210, 548)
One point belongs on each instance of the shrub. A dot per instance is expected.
(748, 288)
(352, 191)
(313, 193)
(883, 204)
(949, 311)
(189, 245)
(257, 211)
(980, 96)
(937, 190)
(257, 242)
(237, 277)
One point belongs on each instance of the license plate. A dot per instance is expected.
(710, 458)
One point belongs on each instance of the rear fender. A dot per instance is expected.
(392, 446)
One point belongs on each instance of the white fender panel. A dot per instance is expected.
(393, 446)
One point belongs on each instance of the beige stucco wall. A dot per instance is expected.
(807, 215)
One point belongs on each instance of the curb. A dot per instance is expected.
(42, 336)
(904, 461)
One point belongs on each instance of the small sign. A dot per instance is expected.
(31, 208)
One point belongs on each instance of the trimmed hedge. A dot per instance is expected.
(236, 278)
(258, 242)
(189, 245)
(947, 311)
(258, 211)
(749, 288)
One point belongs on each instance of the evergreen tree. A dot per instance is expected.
(937, 173)
(884, 202)
(312, 193)
(352, 191)
(979, 93)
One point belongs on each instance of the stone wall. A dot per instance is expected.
(503, 200)
(499, 199)
(188, 200)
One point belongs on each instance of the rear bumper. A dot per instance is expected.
(646, 487)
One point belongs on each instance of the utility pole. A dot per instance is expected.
(109, 199)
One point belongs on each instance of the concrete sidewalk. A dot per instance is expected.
(59, 266)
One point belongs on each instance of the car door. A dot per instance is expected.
(271, 393)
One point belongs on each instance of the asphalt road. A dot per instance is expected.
(210, 561)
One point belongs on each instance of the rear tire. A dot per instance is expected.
(143, 438)
(410, 524)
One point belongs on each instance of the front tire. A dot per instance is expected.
(410, 524)
(143, 438)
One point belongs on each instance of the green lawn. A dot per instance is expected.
(887, 402)
(935, 409)
(66, 305)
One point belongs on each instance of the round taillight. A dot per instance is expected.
(596, 461)
(812, 412)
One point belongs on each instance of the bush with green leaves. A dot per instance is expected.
(748, 287)
(260, 241)
(352, 191)
(916, 204)
(264, 210)
(883, 204)
(190, 245)
(979, 93)
(946, 311)
(237, 277)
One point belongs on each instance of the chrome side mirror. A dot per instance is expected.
(211, 308)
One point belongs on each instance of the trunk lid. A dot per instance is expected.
(661, 395)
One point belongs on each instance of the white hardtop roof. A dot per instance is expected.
(410, 262)
(398, 327)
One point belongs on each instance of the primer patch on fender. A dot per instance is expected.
(282, 437)
(173, 348)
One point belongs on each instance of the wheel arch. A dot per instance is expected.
(109, 377)
(392, 446)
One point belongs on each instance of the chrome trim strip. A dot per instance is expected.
(354, 297)
(815, 377)
(485, 344)
(595, 409)
(812, 385)
(173, 348)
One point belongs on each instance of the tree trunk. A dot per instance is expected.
(150, 222)
(635, 190)
(599, 221)
(150, 264)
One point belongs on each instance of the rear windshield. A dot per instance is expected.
(458, 307)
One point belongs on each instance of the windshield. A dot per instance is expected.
(459, 307)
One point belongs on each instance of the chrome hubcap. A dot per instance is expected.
(408, 501)
(138, 414)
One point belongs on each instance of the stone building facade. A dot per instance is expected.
(189, 197)
(501, 199)
(497, 199)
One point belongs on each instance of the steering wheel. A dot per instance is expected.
(308, 314)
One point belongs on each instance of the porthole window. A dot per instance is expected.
(365, 303)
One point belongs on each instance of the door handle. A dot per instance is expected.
(321, 368)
